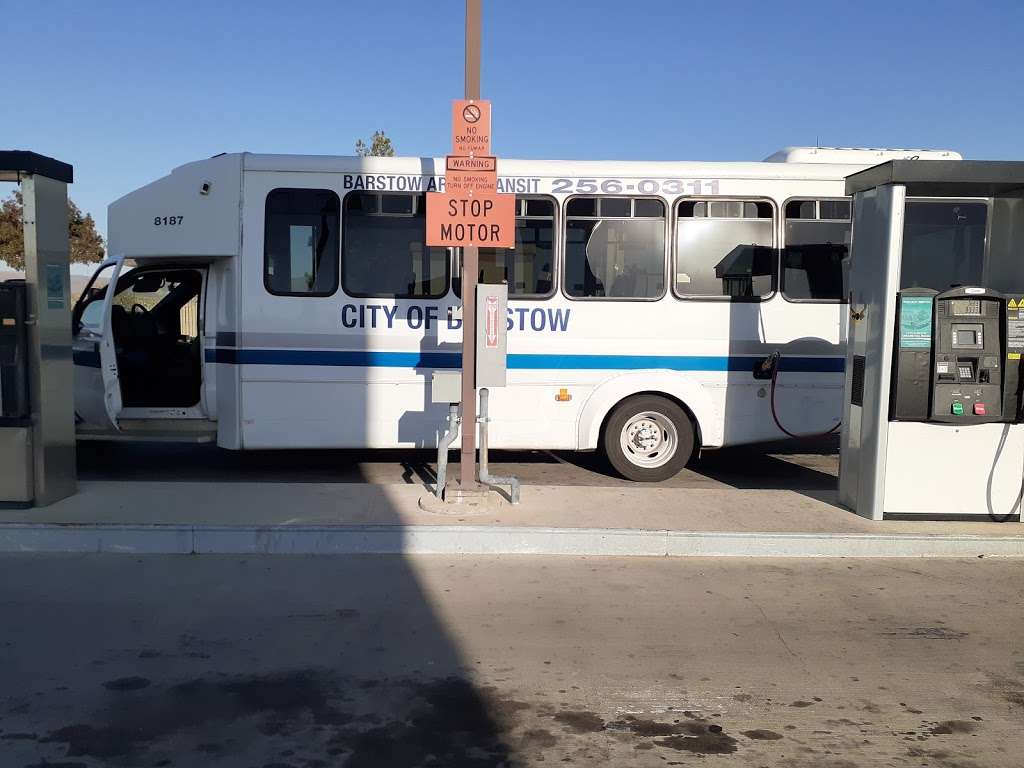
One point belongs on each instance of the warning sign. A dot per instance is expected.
(456, 221)
(471, 175)
(471, 127)
(471, 183)
(1014, 327)
(1015, 334)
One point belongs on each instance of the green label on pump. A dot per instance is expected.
(915, 322)
(53, 274)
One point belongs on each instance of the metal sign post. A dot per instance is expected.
(468, 214)
(470, 268)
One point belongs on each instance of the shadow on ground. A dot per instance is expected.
(803, 465)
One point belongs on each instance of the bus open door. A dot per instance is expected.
(138, 350)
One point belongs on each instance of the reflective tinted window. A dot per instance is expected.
(300, 244)
(817, 242)
(725, 248)
(383, 250)
(616, 254)
(528, 269)
(943, 244)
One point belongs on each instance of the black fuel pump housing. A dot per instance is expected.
(957, 357)
(14, 401)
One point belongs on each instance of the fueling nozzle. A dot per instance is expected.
(766, 368)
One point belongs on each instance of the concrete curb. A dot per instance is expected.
(487, 540)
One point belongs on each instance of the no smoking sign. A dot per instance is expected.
(471, 127)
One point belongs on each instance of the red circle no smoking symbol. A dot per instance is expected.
(471, 113)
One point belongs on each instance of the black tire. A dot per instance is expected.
(647, 417)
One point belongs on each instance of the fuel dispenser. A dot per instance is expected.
(954, 360)
(15, 417)
(37, 417)
(932, 422)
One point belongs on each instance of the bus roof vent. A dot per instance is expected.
(856, 155)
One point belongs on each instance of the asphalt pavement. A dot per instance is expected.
(305, 662)
(811, 464)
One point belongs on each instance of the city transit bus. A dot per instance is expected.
(656, 309)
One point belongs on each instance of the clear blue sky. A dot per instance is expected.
(127, 90)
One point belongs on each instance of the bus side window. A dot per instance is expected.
(300, 242)
(384, 252)
(529, 268)
(725, 249)
(614, 248)
(817, 242)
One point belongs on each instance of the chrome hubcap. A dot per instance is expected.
(649, 439)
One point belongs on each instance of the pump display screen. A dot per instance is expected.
(968, 307)
(966, 339)
(968, 336)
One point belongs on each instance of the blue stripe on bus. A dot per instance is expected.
(448, 360)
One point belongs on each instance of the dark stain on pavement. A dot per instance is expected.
(926, 633)
(131, 683)
(710, 742)
(445, 721)
(694, 735)
(643, 727)
(85, 740)
(448, 723)
(538, 737)
(159, 712)
(761, 734)
(952, 726)
(580, 722)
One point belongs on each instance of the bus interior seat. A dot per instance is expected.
(159, 365)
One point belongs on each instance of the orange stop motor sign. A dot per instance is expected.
(456, 221)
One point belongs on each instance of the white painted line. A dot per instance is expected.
(489, 540)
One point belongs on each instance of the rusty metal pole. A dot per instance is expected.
(470, 258)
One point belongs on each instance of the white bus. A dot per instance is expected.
(288, 301)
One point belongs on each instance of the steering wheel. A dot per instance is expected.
(138, 309)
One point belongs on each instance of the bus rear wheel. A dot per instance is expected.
(648, 438)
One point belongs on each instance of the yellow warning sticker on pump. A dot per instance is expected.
(1013, 356)
(1013, 304)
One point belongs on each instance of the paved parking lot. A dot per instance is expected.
(810, 465)
(472, 662)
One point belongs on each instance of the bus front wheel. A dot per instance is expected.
(648, 438)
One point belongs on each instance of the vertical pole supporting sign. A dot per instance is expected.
(467, 459)
(470, 212)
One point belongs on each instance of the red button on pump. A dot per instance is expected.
(979, 409)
